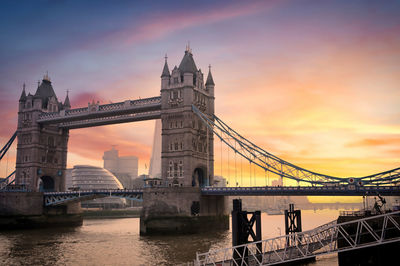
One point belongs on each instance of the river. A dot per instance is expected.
(117, 242)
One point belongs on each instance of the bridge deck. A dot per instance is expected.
(58, 198)
(303, 191)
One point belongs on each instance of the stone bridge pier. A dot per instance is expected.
(181, 210)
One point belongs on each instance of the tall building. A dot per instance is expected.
(155, 160)
(125, 168)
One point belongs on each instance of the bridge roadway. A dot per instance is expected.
(350, 190)
(56, 198)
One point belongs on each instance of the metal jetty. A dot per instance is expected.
(302, 245)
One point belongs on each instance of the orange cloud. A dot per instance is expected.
(375, 142)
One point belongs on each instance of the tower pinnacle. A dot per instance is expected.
(46, 77)
(67, 104)
(210, 80)
(165, 72)
(23, 94)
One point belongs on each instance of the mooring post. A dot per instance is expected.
(242, 228)
(292, 222)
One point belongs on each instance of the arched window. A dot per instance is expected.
(171, 171)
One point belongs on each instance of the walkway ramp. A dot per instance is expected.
(356, 234)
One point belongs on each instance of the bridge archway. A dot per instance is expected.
(200, 177)
(46, 184)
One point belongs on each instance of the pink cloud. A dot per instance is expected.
(82, 99)
(164, 23)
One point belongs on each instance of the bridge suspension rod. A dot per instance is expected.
(273, 164)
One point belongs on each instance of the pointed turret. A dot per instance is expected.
(165, 72)
(210, 80)
(45, 91)
(23, 94)
(187, 64)
(165, 76)
(67, 104)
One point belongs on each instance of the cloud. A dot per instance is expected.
(160, 24)
(82, 99)
(370, 142)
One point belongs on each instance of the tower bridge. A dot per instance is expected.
(189, 124)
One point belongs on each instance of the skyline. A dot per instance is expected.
(317, 83)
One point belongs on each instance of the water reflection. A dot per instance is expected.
(117, 242)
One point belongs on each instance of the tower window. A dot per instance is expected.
(176, 80)
(175, 169)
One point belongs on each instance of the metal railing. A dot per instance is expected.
(105, 110)
(58, 198)
(356, 234)
(343, 190)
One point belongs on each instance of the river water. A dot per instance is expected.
(117, 242)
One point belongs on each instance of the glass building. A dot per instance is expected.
(86, 177)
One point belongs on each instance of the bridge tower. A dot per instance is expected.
(41, 150)
(187, 157)
(187, 154)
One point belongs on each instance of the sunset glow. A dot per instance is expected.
(315, 83)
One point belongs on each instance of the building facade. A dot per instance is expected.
(41, 150)
(125, 168)
(187, 154)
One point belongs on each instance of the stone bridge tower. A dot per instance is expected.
(187, 154)
(41, 150)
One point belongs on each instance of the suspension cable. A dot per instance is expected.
(221, 160)
(283, 169)
(241, 172)
(236, 183)
(229, 168)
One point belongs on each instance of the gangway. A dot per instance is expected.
(308, 244)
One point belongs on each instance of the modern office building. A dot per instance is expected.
(86, 177)
(125, 168)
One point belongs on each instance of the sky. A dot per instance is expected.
(316, 83)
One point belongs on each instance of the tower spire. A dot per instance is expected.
(23, 94)
(165, 72)
(210, 80)
(67, 104)
(46, 77)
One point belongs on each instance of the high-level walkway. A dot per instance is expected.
(106, 114)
